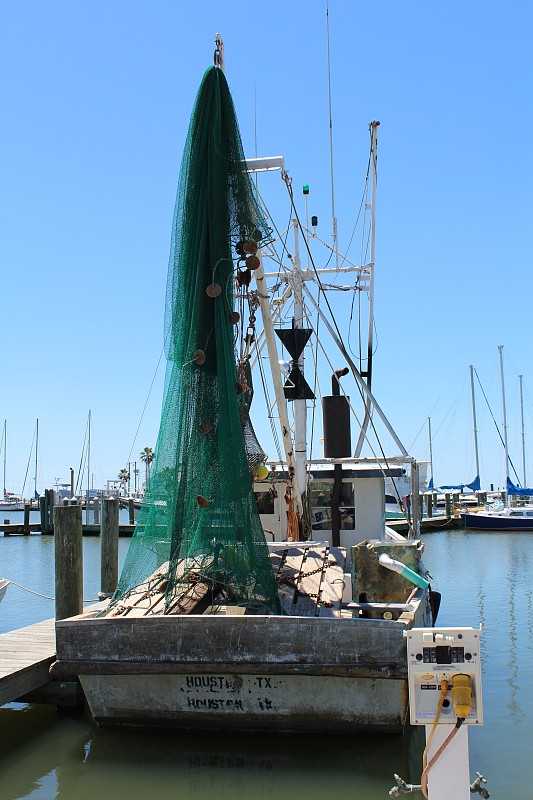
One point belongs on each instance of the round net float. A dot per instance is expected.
(239, 248)
(199, 356)
(205, 427)
(234, 317)
(261, 472)
(213, 290)
(250, 246)
(257, 235)
(239, 388)
(252, 262)
(202, 501)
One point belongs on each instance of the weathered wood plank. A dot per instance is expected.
(216, 639)
(25, 658)
(309, 581)
(332, 586)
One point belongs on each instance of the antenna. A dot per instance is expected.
(218, 56)
(333, 217)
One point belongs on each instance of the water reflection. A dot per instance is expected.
(77, 760)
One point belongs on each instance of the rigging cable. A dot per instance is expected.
(334, 321)
(28, 466)
(496, 424)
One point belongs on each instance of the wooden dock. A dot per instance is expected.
(25, 659)
(19, 529)
(436, 523)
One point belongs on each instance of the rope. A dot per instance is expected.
(38, 594)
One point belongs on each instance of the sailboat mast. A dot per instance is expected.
(474, 419)
(5, 451)
(523, 434)
(88, 467)
(430, 451)
(504, 416)
(36, 456)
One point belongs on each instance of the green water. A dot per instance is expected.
(484, 577)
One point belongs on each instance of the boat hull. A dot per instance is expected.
(479, 522)
(260, 702)
(242, 672)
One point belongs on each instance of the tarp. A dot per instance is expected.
(512, 489)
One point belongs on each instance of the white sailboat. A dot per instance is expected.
(498, 515)
(9, 501)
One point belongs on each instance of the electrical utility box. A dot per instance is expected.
(437, 654)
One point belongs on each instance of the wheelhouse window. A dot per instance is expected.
(265, 502)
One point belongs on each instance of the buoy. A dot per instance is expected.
(249, 246)
(252, 262)
(205, 427)
(202, 501)
(261, 472)
(199, 356)
(214, 289)
(234, 317)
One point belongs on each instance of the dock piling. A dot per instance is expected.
(131, 511)
(68, 561)
(27, 508)
(109, 546)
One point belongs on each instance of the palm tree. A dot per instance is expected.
(124, 478)
(147, 455)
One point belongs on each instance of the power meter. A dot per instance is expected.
(451, 655)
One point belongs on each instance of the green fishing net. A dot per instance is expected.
(199, 525)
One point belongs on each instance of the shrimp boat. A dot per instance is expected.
(256, 595)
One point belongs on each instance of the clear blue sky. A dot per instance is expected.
(96, 98)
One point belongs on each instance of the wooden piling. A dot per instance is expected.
(109, 546)
(68, 561)
(448, 504)
(27, 508)
(47, 511)
(429, 505)
(131, 511)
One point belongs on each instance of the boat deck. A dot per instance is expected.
(310, 579)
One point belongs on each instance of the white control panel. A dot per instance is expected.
(437, 654)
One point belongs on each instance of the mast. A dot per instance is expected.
(88, 468)
(523, 434)
(300, 406)
(264, 304)
(333, 217)
(476, 452)
(5, 451)
(430, 451)
(370, 348)
(504, 417)
(36, 457)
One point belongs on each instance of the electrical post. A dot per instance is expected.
(444, 674)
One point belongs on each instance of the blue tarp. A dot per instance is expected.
(475, 485)
(512, 489)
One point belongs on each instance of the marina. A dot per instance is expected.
(42, 753)
(250, 583)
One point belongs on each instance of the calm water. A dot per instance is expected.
(484, 577)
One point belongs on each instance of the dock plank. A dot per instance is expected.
(25, 658)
